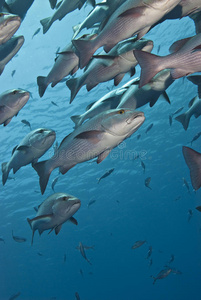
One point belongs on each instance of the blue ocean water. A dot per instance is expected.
(125, 210)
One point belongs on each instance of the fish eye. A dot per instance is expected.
(41, 131)
(122, 111)
(14, 92)
(1, 14)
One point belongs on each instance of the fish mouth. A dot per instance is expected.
(140, 116)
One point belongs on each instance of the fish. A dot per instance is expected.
(18, 7)
(193, 161)
(130, 18)
(11, 102)
(85, 247)
(91, 202)
(149, 253)
(170, 120)
(81, 272)
(54, 182)
(9, 49)
(9, 24)
(150, 262)
(138, 244)
(147, 182)
(138, 136)
(95, 138)
(136, 97)
(54, 103)
(13, 73)
(195, 138)
(190, 214)
(183, 60)
(66, 63)
(81, 248)
(64, 7)
(108, 101)
(26, 123)
(171, 259)
(162, 274)
(18, 239)
(143, 165)
(53, 212)
(105, 175)
(39, 254)
(77, 297)
(186, 184)
(32, 147)
(113, 65)
(194, 109)
(36, 32)
(15, 296)
(149, 127)
(2, 240)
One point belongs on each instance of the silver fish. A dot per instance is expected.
(106, 174)
(149, 127)
(149, 253)
(65, 7)
(11, 102)
(193, 161)
(18, 239)
(77, 296)
(194, 109)
(95, 138)
(130, 18)
(32, 147)
(183, 60)
(13, 73)
(91, 202)
(147, 182)
(195, 137)
(81, 248)
(53, 212)
(9, 49)
(162, 274)
(36, 32)
(143, 166)
(9, 24)
(27, 123)
(114, 65)
(138, 244)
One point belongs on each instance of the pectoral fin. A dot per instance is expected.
(103, 155)
(57, 229)
(92, 135)
(73, 220)
(23, 148)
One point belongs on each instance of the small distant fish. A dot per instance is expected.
(13, 73)
(39, 254)
(162, 274)
(81, 248)
(54, 182)
(196, 137)
(177, 111)
(36, 32)
(138, 136)
(54, 103)
(149, 253)
(2, 240)
(81, 272)
(77, 296)
(85, 247)
(138, 244)
(178, 198)
(106, 174)
(149, 127)
(18, 239)
(147, 182)
(186, 184)
(37, 192)
(190, 214)
(171, 259)
(170, 120)
(143, 166)
(64, 258)
(15, 296)
(25, 122)
(150, 262)
(159, 47)
(91, 202)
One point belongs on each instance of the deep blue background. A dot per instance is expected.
(125, 210)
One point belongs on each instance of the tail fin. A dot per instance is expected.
(85, 51)
(42, 85)
(43, 173)
(53, 3)
(77, 120)
(150, 65)
(5, 172)
(33, 231)
(184, 120)
(74, 85)
(193, 161)
(46, 23)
